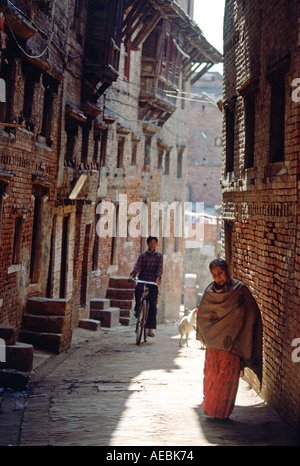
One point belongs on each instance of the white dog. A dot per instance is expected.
(187, 325)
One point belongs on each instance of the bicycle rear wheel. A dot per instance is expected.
(141, 321)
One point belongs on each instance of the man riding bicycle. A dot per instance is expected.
(149, 267)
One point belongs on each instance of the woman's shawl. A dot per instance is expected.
(231, 321)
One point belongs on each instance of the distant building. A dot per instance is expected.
(91, 116)
(204, 172)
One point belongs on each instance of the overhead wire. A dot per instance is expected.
(16, 40)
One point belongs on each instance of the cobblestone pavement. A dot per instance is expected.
(106, 391)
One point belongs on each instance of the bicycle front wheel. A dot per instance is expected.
(141, 321)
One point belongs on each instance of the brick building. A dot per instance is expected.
(90, 117)
(260, 180)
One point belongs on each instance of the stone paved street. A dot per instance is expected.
(106, 391)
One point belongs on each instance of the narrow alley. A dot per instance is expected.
(106, 391)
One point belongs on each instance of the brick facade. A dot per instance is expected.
(89, 117)
(260, 180)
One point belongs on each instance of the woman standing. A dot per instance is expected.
(229, 324)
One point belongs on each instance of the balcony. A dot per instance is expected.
(157, 100)
(102, 49)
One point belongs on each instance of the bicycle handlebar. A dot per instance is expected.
(142, 281)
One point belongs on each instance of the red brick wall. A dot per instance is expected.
(262, 203)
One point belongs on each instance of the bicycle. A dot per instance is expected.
(143, 311)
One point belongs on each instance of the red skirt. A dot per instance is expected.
(220, 383)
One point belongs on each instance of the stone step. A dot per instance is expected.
(90, 324)
(19, 357)
(108, 317)
(117, 293)
(48, 306)
(45, 324)
(100, 303)
(122, 303)
(128, 313)
(7, 333)
(52, 342)
(82, 313)
(121, 282)
(128, 321)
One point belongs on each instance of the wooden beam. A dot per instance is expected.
(146, 31)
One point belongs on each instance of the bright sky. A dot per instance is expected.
(209, 15)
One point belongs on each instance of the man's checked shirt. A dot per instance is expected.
(149, 266)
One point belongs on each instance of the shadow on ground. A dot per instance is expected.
(245, 428)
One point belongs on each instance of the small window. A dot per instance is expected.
(100, 144)
(72, 133)
(167, 163)
(179, 163)
(85, 142)
(96, 249)
(31, 78)
(230, 129)
(277, 119)
(134, 153)
(120, 156)
(228, 231)
(49, 95)
(160, 159)
(249, 130)
(147, 158)
(277, 80)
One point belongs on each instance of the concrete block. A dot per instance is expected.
(19, 357)
(49, 306)
(7, 333)
(121, 282)
(108, 317)
(38, 323)
(51, 342)
(118, 293)
(99, 303)
(90, 324)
